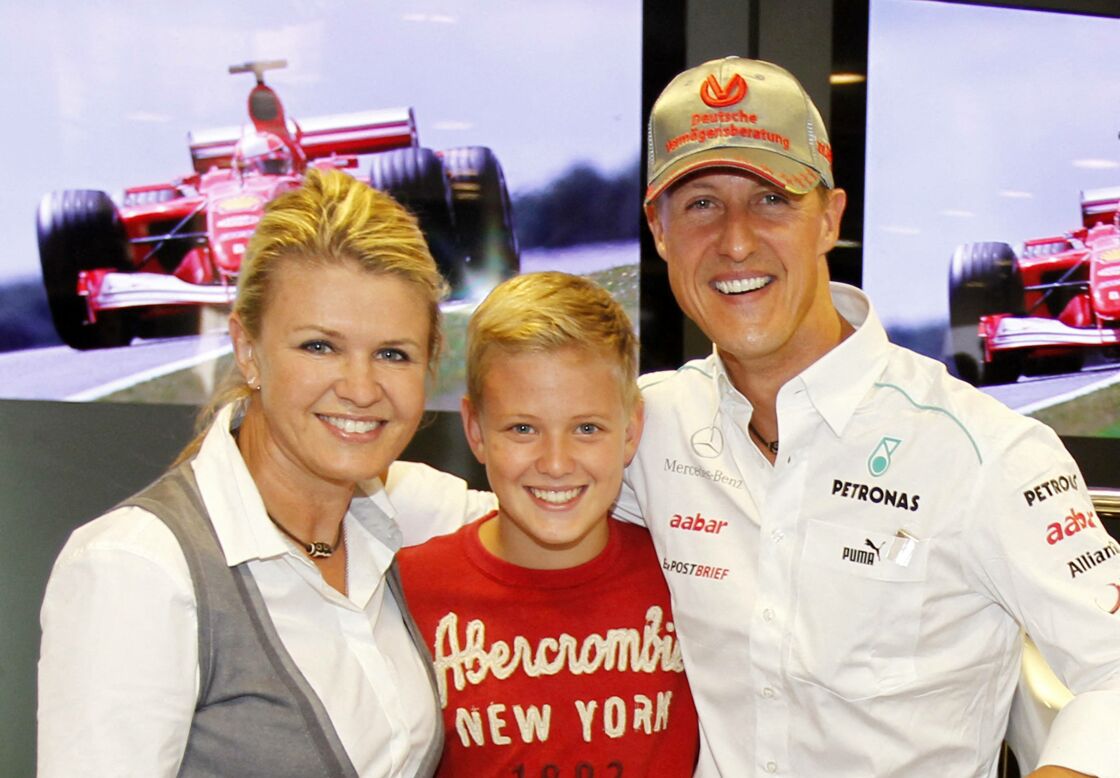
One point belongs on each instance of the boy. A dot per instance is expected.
(549, 621)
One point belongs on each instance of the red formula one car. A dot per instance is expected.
(147, 266)
(1041, 310)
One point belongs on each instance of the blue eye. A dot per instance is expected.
(317, 347)
(587, 428)
(394, 355)
(521, 429)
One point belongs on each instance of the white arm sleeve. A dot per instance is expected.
(430, 502)
(1051, 565)
(118, 666)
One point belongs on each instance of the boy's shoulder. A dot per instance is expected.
(634, 546)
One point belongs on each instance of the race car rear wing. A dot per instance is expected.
(1099, 206)
(365, 132)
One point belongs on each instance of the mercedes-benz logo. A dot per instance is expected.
(707, 442)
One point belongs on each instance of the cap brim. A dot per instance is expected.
(777, 169)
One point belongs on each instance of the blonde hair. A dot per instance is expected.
(548, 311)
(330, 219)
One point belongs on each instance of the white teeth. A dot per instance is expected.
(740, 285)
(555, 496)
(350, 425)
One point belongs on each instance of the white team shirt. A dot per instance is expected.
(118, 669)
(855, 608)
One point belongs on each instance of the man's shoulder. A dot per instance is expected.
(927, 382)
(925, 386)
(669, 385)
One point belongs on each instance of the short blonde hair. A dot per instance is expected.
(334, 218)
(548, 311)
(330, 219)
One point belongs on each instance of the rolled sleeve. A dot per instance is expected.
(1085, 736)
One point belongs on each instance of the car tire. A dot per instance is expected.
(1059, 364)
(80, 229)
(171, 321)
(983, 280)
(483, 214)
(416, 178)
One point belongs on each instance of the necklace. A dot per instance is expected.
(770, 444)
(315, 550)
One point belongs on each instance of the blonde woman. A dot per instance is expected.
(241, 616)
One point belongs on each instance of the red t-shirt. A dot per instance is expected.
(571, 673)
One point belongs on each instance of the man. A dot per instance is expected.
(853, 539)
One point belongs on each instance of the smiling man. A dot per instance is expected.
(875, 548)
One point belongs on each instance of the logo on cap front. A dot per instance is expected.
(719, 95)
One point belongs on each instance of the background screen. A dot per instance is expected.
(986, 125)
(103, 96)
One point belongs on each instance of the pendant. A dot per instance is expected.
(319, 550)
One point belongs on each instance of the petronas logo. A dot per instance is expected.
(880, 460)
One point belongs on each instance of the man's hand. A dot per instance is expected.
(1050, 771)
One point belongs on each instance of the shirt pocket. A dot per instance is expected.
(858, 609)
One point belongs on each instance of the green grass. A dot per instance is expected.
(1093, 415)
(192, 386)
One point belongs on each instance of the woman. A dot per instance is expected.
(234, 618)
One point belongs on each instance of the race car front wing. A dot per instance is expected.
(1015, 332)
(107, 290)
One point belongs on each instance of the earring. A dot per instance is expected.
(253, 384)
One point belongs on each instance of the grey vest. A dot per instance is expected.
(256, 714)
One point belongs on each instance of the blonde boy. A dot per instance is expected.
(549, 621)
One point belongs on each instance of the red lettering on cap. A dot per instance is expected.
(718, 96)
(824, 150)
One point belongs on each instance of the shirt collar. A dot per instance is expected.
(839, 380)
(237, 511)
(375, 512)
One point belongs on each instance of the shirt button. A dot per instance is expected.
(768, 614)
(771, 767)
(768, 693)
(777, 536)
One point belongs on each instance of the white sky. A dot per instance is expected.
(101, 95)
(984, 124)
